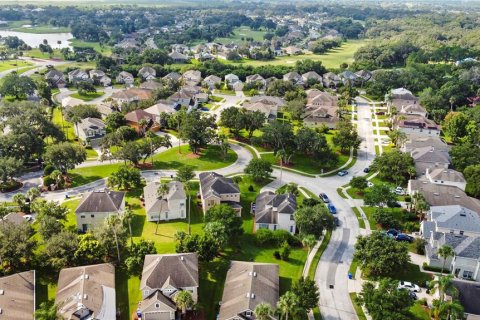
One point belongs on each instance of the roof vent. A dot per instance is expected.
(461, 215)
(254, 274)
(457, 196)
(436, 193)
(247, 295)
(85, 296)
(182, 258)
(252, 296)
(2, 292)
(85, 276)
(250, 273)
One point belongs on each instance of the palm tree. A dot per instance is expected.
(184, 175)
(451, 310)
(47, 311)
(445, 252)
(452, 101)
(143, 125)
(184, 301)
(112, 222)
(444, 284)
(287, 304)
(76, 120)
(162, 191)
(263, 311)
(309, 241)
(127, 218)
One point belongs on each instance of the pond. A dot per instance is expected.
(35, 39)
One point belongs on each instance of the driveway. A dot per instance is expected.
(228, 101)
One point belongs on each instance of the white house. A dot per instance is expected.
(91, 129)
(147, 73)
(125, 78)
(275, 211)
(168, 207)
(459, 228)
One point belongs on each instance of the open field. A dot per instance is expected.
(13, 64)
(87, 97)
(42, 29)
(331, 59)
(36, 53)
(242, 32)
(105, 50)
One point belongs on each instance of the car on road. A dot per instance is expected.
(404, 237)
(331, 208)
(409, 286)
(366, 170)
(342, 173)
(394, 204)
(380, 113)
(399, 191)
(324, 197)
(28, 217)
(336, 221)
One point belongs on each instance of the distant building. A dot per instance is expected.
(55, 78)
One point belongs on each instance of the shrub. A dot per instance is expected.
(285, 251)
(310, 202)
(276, 254)
(411, 226)
(419, 246)
(281, 236)
(408, 198)
(409, 216)
(250, 188)
(264, 237)
(48, 169)
(47, 181)
(386, 219)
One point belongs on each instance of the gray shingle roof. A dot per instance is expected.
(18, 298)
(456, 217)
(152, 201)
(257, 280)
(269, 205)
(212, 182)
(420, 141)
(468, 294)
(101, 201)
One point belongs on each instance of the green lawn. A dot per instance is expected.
(242, 32)
(88, 96)
(399, 214)
(76, 65)
(105, 50)
(357, 307)
(419, 312)
(13, 64)
(209, 159)
(42, 28)
(36, 53)
(331, 59)
(361, 222)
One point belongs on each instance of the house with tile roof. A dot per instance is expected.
(247, 285)
(125, 78)
(87, 292)
(131, 95)
(312, 76)
(17, 298)
(150, 85)
(135, 117)
(275, 211)
(416, 124)
(216, 189)
(163, 277)
(268, 105)
(459, 228)
(96, 206)
(168, 207)
(321, 109)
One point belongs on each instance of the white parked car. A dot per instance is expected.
(409, 286)
(399, 191)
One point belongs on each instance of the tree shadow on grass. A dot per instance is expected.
(121, 288)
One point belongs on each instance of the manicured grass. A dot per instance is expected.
(361, 222)
(357, 307)
(353, 267)
(318, 256)
(419, 312)
(208, 159)
(105, 50)
(13, 64)
(76, 65)
(36, 53)
(84, 175)
(43, 28)
(411, 272)
(242, 32)
(341, 194)
(331, 59)
(355, 193)
(88, 96)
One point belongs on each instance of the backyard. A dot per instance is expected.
(89, 96)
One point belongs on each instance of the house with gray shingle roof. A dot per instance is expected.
(312, 76)
(147, 73)
(459, 228)
(446, 176)
(87, 292)
(55, 78)
(275, 211)
(415, 141)
(96, 206)
(247, 285)
(91, 129)
(17, 300)
(168, 207)
(216, 189)
(429, 158)
(163, 277)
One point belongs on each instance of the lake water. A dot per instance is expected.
(35, 39)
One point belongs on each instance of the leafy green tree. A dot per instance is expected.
(85, 87)
(359, 183)
(380, 255)
(218, 232)
(313, 220)
(225, 214)
(136, 255)
(456, 125)
(90, 250)
(184, 175)
(279, 136)
(131, 151)
(385, 301)
(184, 301)
(233, 118)
(16, 245)
(48, 226)
(198, 129)
(296, 108)
(451, 310)
(472, 175)
(125, 178)
(115, 120)
(9, 168)
(288, 304)
(259, 169)
(60, 250)
(312, 143)
(445, 286)
(81, 112)
(49, 208)
(253, 121)
(309, 241)
(398, 137)
(386, 219)
(394, 166)
(464, 155)
(346, 136)
(16, 86)
(307, 293)
(47, 311)
(379, 195)
(44, 91)
(65, 156)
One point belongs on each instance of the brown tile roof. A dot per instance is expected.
(136, 115)
(17, 298)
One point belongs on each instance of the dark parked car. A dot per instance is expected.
(336, 221)
(404, 237)
(380, 113)
(324, 197)
(394, 204)
(393, 232)
(366, 170)
(331, 208)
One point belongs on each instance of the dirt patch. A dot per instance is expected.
(193, 156)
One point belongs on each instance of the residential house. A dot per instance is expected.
(293, 77)
(125, 78)
(256, 78)
(87, 292)
(168, 207)
(128, 44)
(231, 79)
(158, 109)
(459, 228)
(331, 80)
(468, 293)
(268, 105)
(405, 103)
(312, 76)
(69, 102)
(417, 125)
(415, 141)
(348, 77)
(150, 85)
(131, 95)
(78, 75)
(95, 206)
(178, 57)
(437, 194)
(292, 50)
(135, 118)
(321, 109)
(105, 109)
(181, 48)
(15, 218)
(192, 77)
(183, 97)
(212, 81)
(445, 176)
(247, 285)
(99, 77)
(147, 73)
(55, 78)
(17, 298)
(429, 158)
(163, 277)
(173, 76)
(364, 76)
(275, 211)
(90, 129)
(216, 189)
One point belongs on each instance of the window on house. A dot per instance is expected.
(248, 313)
(467, 274)
(82, 217)
(157, 305)
(146, 292)
(291, 217)
(92, 215)
(461, 232)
